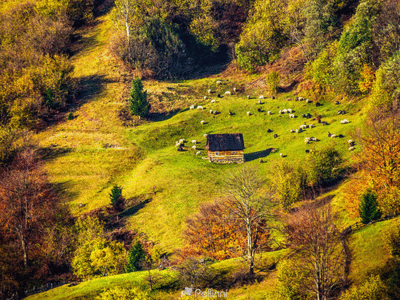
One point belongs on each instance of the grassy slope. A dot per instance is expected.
(144, 157)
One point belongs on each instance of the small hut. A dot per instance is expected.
(225, 148)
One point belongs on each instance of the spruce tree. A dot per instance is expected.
(138, 103)
(136, 258)
(116, 195)
(369, 210)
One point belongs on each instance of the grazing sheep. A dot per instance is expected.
(219, 96)
(275, 136)
(228, 93)
(205, 135)
(259, 102)
(301, 98)
(261, 161)
(296, 99)
(289, 110)
(234, 90)
(211, 111)
(269, 130)
(213, 101)
(317, 104)
(302, 127)
(308, 100)
(291, 130)
(261, 97)
(350, 142)
(284, 111)
(324, 123)
(205, 97)
(248, 97)
(344, 121)
(198, 153)
(333, 136)
(182, 141)
(230, 113)
(180, 148)
(194, 142)
(280, 112)
(259, 109)
(280, 154)
(337, 102)
(194, 147)
(192, 107)
(341, 112)
(351, 148)
(248, 113)
(311, 126)
(297, 130)
(329, 134)
(269, 112)
(200, 107)
(313, 139)
(202, 122)
(210, 91)
(307, 151)
(307, 140)
(291, 116)
(218, 82)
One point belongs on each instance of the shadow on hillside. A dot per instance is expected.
(64, 190)
(288, 88)
(158, 117)
(102, 7)
(134, 209)
(257, 155)
(52, 152)
(90, 87)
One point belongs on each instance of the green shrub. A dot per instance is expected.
(70, 116)
(369, 210)
(273, 79)
(372, 289)
(324, 166)
(138, 104)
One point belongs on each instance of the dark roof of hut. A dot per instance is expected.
(225, 142)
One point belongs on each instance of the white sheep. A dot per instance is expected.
(205, 135)
(259, 101)
(194, 142)
(210, 91)
(205, 97)
(333, 136)
(291, 130)
(307, 100)
(200, 107)
(289, 110)
(234, 90)
(284, 110)
(198, 153)
(202, 122)
(228, 93)
(344, 121)
(213, 101)
(280, 112)
(307, 140)
(311, 126)
(248, 113)
(297, 130)
(281, 154)
(269, 112)
(192, 107)
(194, 147)
(351, 148)
(182, 141)
(261, 97)
(313, 139)
(291, 116)
(301, 98)
(350, 141)
(218, 82)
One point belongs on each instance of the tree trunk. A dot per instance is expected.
(24, 246)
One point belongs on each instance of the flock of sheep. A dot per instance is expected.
(288, 111)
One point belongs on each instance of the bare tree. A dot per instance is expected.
(318, 250)
(250, 206)
(27, 202)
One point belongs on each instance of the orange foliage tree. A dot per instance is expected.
(380, 141)
(215, 232)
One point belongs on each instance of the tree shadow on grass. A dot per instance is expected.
(158, 117)
(52, 152)
(134, 209)
(257, 155)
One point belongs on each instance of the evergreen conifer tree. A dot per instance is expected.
(369, 210)
(136, 258)
(138, 103)
(116, 195)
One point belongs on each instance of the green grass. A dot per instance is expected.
(167, 286)
(144, 156)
